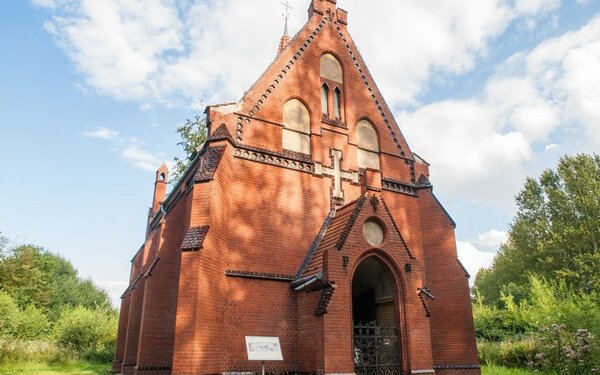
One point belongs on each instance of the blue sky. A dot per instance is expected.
(91, 92)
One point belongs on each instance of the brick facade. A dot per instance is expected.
(257, 240)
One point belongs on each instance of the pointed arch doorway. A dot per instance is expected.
(375, 319)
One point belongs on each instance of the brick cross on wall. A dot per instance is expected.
(337, 173)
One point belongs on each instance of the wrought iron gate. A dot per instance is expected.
(376, 350)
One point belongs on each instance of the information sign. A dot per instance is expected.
(263, 348)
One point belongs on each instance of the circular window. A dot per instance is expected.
(373, 232)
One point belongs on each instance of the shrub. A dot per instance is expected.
(509, 353)
(9, 311)
(495, 324)
(554, 303)
(33, 324)
(88, 331)
(568, 352)
(21, 351)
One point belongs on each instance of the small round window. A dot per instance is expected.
(373, 232)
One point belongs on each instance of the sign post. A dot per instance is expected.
(263, 349)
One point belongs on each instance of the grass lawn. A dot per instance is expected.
(95, 369)
(495, 370)
(41, 369)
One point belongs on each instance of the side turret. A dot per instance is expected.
(160, 187)
(160, 191)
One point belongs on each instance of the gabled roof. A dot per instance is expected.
(336, 231)
(323, 16)
(333, 235)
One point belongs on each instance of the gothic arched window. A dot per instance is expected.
(331, 69)
(368, 145)
(337, 99)
(296, 122)
(325, 99)
(332, 84)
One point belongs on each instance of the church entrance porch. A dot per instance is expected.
(375, 319)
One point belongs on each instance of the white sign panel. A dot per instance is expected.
(263, 348)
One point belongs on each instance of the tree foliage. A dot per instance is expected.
(554, 328)
(33, 276)
(47, 312)
(555, 234)
(86, 329)
(9, 313)
(193, 134)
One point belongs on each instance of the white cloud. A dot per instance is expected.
(468, 148)
(44, 3)
(130, 149)
(533, 7)
(170, 52)
(427, 37)
(473, 259)
(566, 69)
(481, 147)
(141, 158)
(101, 133)
(493, 238)
(115, 290)
(119, 46)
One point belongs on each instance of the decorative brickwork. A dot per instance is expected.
(309, 237)
(326, 295)
(379, 102)
(297, 156)
(209, 163)
(286, 69)
(424, 304)
(259, 275)
(389, 215)
(222, 133)
(399, 187)
(315, 245)
(271, 158)
(194, 238)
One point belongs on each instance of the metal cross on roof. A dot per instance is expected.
(286, 15)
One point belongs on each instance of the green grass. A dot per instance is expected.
(496, 370)
(42, 369)
(98, 369)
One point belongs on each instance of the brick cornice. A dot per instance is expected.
(259, 275)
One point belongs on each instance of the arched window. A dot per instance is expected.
(296, 122)
(332, 82)
(331, 69)
(325, 99)
(337, 98)
(368, 145)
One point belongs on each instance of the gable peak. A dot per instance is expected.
(327, 7)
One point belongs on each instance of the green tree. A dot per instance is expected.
(22, 276)
(555, 234)
(34, 276)
(193, 134)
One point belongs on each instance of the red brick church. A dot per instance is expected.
(305, 216)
